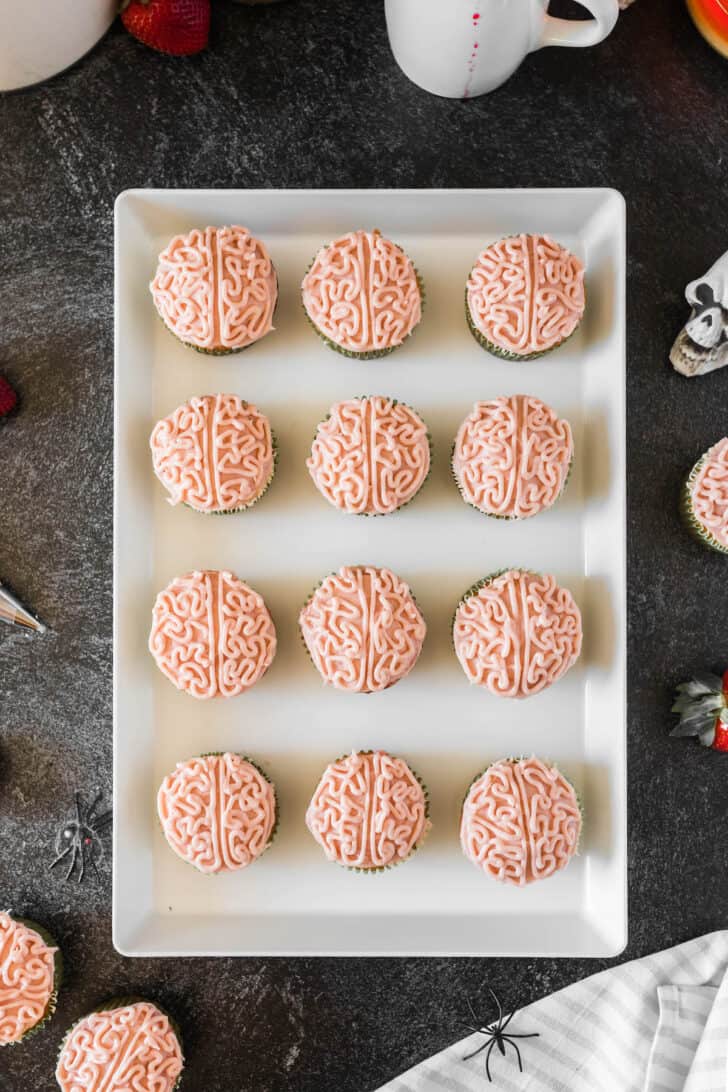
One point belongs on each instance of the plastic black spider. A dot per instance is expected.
(495, 1036)
(81, 838)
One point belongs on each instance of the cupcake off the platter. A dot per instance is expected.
(30, 976)
(125, 1044)
(524, 296)
(516, 633)
(362, 295)
(369, 811)
(704, 502)
(216, 289)
(520, 821)
(218, 812)
(370, 456)
(215, 454)
(212, 634)
(512, 457)
(363, 629)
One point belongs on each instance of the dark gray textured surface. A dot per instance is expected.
(306, 94)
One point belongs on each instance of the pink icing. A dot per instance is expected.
(217, 812)
(211, 634)
(130, 1049)
(709, 492)
(27, 979)
(214, 453)
(520, 821)
(371, 455)
(368, 811)
(216, 288)
(526, 294)
(362, 629)
(518, 634)
(362, 293)
(512, 456)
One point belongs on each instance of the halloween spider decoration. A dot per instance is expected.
(496, 1036)
(79, 839)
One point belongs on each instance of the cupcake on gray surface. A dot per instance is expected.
(30, 976)
(704, 502)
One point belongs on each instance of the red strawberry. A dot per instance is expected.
(179, 27)
(702, 705)
(8, 398)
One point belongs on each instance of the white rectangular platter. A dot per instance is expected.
(293, 901)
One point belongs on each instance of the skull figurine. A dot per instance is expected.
(702, 344)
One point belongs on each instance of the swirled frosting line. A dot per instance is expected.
(214, 453)
(708, 489)
(512, 456)
(370, 456)
(517, 633)
(218, 812)
(525, 294)
(369, 811)
(27, 979)
(361, 293)
(212, 635)
(216, 289)
(362, 629)
(520, 821)
(133, 1047)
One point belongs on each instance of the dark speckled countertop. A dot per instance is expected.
(306, 94)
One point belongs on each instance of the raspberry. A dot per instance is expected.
(8, 397)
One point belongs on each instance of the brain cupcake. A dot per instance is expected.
(369, 811)
(524, 297)
(216, 289)
(362, 295)
(362, 629)
(218, 812)
(705, 498)
(130, 1045)
(370, 456)
(214, 454)
(512, 457)
(520, 821)
(212, 635)
(516, 633)
(30, 974)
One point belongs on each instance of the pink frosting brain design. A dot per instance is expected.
(362, 293)
(132, 1048)
(214, 453)
(216, 288)
(370, 456)
(517, 633)
(362, 629)
(526, 294)
(512, 456)
(211, 634)
(520, 822)
(709, 492)
(27, 979)
(368, 811)
(217, 812)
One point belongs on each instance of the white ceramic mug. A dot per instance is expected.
(462, 48)
(39, 38)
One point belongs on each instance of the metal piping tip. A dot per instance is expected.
(14, 613)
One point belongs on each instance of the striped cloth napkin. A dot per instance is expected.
(658, 1024)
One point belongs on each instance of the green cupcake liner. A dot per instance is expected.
(121, 1003)
(426, 829)
(496, 515)
(506, 354)
(371, 354)
(276, 816)
(50, 1008)
(692, 523)
(423, 483)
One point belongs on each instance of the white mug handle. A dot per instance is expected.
(573, 32)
